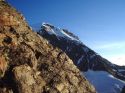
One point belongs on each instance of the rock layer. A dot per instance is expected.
(29, 64)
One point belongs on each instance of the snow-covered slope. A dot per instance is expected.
(104, 82)
(86, 59)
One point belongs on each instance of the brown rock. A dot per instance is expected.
(33, 65)
(3, 65)
(28, 81)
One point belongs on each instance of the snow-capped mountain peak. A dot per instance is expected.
(86, 59)
(52, 30)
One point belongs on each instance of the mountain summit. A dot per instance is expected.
(61, 33)
(104, 75)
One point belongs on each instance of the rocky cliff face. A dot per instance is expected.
(28, 64)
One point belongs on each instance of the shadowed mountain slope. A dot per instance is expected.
(86, 59)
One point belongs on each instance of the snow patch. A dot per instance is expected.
(92, 56)
(121, 70)
(86, 49)
(104, 82)
(80, 60)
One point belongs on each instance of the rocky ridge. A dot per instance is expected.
(29, 64)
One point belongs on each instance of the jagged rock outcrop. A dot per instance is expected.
(29, 64)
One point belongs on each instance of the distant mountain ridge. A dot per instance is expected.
(83, 57)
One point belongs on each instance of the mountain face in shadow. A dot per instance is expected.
(87, 60)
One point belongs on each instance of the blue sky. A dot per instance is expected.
(100, 24)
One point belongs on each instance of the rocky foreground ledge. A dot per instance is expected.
(29, 64)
